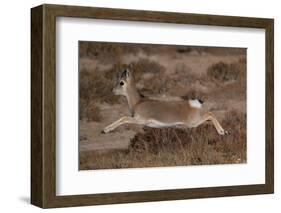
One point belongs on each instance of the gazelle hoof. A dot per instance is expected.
(223, 132)
(106, 130)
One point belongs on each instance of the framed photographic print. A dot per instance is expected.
(136, 106)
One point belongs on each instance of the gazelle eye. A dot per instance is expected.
(121, 83)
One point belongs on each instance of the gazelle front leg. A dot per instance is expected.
(123, 120)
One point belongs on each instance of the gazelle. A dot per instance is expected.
(159, 113)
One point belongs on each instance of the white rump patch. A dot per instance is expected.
(195, 103)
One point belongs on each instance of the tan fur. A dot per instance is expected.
(159, 113)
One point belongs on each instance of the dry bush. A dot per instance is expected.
(223, 72)
(102, 51)
(157, 82)
(195, 94)
(89, 111)
(155, 140)
(230, 79)
(146, 65)
(157, 85)
(177, 147)
(183, 75)
(93, 113)
(201, 145)
(94, 86)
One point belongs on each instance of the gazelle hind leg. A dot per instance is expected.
(211, 117)
(122, 120)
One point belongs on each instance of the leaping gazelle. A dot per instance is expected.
(159, 113)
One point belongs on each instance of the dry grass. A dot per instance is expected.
(177, 147)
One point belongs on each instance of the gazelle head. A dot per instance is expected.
(124, 83)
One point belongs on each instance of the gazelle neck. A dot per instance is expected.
(133, 98)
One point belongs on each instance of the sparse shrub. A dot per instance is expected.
(157, 83)
(95, 86)
(220, 71)
(93, 113)
(89, 111)
(112, 73)
(144, 65)
(223, 72)
(155, 140)
(102, 51)
(155, 86)
(183, 75)
(194, 94)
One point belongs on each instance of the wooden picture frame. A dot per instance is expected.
(43, 105)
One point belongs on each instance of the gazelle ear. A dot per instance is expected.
(125, 73)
